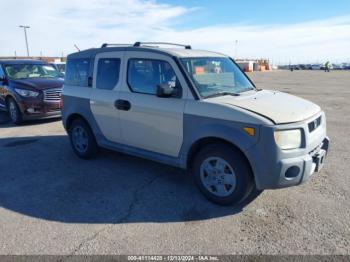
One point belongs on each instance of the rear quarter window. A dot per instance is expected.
(77, 72)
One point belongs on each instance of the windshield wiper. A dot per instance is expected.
(225, 93)
(248, 89)
(215, 84)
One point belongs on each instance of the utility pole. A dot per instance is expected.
(236, 45)
(25, 27)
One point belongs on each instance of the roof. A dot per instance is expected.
(192, 52)
(178, 52)
(21, 61)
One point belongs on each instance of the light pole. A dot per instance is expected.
(25, 27)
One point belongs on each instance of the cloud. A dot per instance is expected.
(302, 42)
(57, 25)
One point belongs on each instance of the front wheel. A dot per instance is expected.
(222, 174)
(14, 112)
(82, 139)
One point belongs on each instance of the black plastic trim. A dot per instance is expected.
(185, 76)
(243, 72)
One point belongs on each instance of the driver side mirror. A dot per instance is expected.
(164, 90)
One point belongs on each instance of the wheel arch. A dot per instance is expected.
(8, 96)
(204, 141)
(68, 119)
(72, 117)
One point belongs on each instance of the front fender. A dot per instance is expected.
(198, 127)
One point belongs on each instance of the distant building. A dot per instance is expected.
(249, 65)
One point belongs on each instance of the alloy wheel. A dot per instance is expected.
(13, 111)
(217, 176)
(80, 139)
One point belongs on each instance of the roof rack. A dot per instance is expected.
(137, 44)
(107, 45)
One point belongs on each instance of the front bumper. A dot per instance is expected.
(276, 168)
(294, 171)
(34, 109)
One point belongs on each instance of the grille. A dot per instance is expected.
(314, 124)
(52, 95)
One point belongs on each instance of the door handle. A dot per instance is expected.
(122, 105)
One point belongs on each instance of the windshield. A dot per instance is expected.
(22, 71)
(214, 76)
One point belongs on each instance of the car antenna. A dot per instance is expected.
(77, 47)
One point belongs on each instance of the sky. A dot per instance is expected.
(285, 31)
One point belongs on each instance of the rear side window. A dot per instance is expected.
(77, 72)
(145, 74)
(107, 73)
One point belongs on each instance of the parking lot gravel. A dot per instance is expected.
(52, 202)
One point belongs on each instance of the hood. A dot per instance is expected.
(279, 107)
(38, 83)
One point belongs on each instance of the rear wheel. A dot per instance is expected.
(222, 174)
(82, 139)
(14, 112)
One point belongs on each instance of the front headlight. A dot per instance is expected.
(26, 93)
(288, 139)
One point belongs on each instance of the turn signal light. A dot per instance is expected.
(249, 130)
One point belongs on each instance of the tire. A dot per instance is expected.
(222, 174)
(14, 112)
(82, 139)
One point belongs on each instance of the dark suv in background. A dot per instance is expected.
(30, 89)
